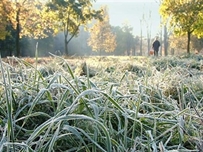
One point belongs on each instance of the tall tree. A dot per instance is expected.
(68, 16)
(166, 34)
(148, 26)
(25, 18)
(126, 42)
(177, 43)
(185, 17)
(164, 28)
(3, 20)
(141, 34)
(102, 38)
(128, 38)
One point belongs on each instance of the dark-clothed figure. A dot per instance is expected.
(156, 44)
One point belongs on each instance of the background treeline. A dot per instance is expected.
(76, 28)
(23, 22)
(79, 45)
(60, 27)
(127, 44)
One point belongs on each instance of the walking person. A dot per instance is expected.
(155, 46)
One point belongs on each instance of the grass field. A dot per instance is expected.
(98, 104)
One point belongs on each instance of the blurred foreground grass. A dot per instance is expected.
(114, 104)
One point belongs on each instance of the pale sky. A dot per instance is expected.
(132, 11)
(126, 0)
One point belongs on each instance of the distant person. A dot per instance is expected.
(155, 46)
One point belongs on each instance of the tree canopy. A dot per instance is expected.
(126, 42)
(68, 16)
(24, 17)
(38, 19)
(185, 17)
(101, 36)
(3, 20)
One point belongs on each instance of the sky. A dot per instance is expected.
(132, 12)
(126, 0)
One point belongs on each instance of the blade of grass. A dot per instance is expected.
(77, 133)
(46, 124)
(10, 132)
(3, 138)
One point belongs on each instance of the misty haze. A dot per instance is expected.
(137, 15)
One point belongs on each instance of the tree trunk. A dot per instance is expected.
(65, 30)
(66, 43)
(148, 44)
(141, 38)
(18, 34)
(165, 41)
(134, 50)
(188, 41)
(148, 39)
(161, 38)
(149, 33)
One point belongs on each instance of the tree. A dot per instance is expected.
(25, 18)
(7, 43)
(177, 43)
(148, 26)
(185, 17)
(141, 36)
(128, 39)
(3, 20)
(136, 44)
(126, 42)
(101, 36)
(68, 16)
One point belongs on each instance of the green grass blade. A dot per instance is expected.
(8, 89)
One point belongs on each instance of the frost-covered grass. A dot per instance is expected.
(114, 104)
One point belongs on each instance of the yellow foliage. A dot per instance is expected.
(3, 19)
(101, 38)
(30, 15)
(183, 15)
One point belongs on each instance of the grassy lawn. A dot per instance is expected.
(98, 104)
